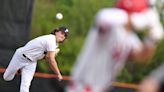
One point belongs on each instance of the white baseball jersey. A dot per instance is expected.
(35, 48)
(148, 19)
(102, 57)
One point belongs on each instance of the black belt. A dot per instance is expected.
(26, 57)
(45, 52)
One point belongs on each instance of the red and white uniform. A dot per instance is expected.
(103, 55)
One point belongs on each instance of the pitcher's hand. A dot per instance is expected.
(59, 77)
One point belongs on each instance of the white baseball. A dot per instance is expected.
(59, 16)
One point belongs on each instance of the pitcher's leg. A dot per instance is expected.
(27, 76)
(12, 68)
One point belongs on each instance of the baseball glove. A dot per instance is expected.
(57, 51)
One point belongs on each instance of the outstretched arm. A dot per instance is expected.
(53, 64)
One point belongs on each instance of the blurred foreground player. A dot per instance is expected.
(108, 45)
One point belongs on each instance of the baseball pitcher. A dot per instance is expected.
(25, 58)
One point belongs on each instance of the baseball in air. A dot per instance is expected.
(59, 16)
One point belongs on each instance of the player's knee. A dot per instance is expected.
(7, 78)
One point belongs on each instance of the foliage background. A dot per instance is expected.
(78, 17)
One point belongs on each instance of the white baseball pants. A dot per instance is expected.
(27, 70)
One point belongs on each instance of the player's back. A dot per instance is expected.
(35, 48)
